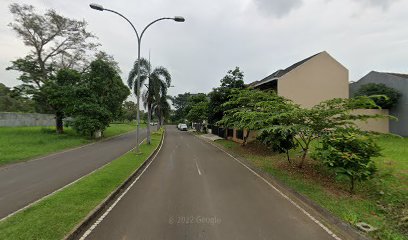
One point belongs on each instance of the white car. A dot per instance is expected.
(182, 127)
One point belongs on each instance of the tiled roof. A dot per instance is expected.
(280, 72)
(401, 75)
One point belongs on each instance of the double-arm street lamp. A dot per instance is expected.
(139, 40)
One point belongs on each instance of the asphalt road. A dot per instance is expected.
(26, 182)
(193, 190)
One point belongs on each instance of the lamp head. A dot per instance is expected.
(96, 6)
(179, 19)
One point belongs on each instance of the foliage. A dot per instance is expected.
(158, 81)
(349, 153)
(56, 43)
(279, 140)
(249, 108)
(60, 93)
(13, 101)
(99, 98)
(198, 112)
(180, 104)
(327, 116)
(377, 91)
(221, 95)
(129, 111)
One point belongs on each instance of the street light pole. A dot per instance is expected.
(139, 41)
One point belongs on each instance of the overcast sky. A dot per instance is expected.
(259, 36)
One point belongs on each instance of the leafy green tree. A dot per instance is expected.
(327, 116)
(377, 91)
(279, 140)
(158, 79)
(162, 109)
(129, 110)
(14, 101)
(55, 43)
(60, 94)
(198, 112)
(99, 98)
(180, 103)
(221, 95)
(348, 152)
(252, 109)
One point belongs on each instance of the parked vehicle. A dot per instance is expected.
(182, 127)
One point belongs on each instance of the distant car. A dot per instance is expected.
(182, 127)
(153, 123)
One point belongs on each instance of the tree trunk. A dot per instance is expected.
(352, 185)
(303, 157)
(246, 138)
(287, 155)
(149, 115)
(59, 124)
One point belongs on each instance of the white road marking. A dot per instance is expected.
(198, 169)
(62, 188)
(282, 194)
(60, 152)
(100, 219)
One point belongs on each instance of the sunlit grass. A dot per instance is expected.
(23, 143)
(380, 202)
(55, 216)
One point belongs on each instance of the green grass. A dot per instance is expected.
(57, 215)
(381, 202)
(23, 143)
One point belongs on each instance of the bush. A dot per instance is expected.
(279, 140)
(349, 153)
(377, 91)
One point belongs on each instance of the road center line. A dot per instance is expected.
(198, 169)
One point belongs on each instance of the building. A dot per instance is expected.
(308, 82)
(400, 83)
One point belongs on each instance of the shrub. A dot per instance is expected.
(349, 153)
(383, 96)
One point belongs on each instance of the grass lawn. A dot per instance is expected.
(24, 143)
(381, 201)
(57, 215)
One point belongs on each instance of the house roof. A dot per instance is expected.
(281, 72)
(401, 75)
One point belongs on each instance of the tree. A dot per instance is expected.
(56, 42)
(159, 79)
(14, 101)
(129, 111)
(348, 152)
(252, 109)
(327, 116)
(279, 140)
(180, 104)
(198, 109)
(220, 95)
(377, 91)
(99, 98)
(162, 109)
(60, 94)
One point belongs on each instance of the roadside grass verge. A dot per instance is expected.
(24, 143)
(381, 201)
(57, 215)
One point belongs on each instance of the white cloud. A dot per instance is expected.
(277, 8)
(219, 35)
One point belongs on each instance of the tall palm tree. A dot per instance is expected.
(161, 108)
(159, 79)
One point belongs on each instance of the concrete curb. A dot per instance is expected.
(80, 228)
(335, 224)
